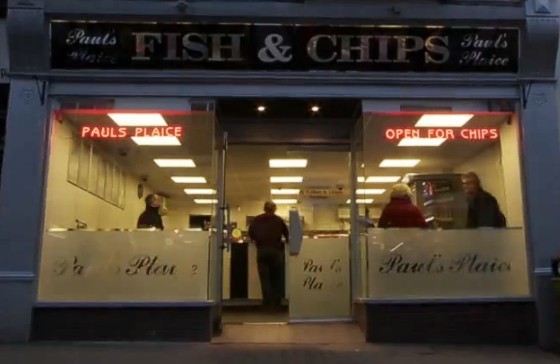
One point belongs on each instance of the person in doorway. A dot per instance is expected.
(400, 212)
(267, 231)
(151, 217)
(483, 208)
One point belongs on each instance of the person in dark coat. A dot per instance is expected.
(400, 212)
(266, 231)
(483, 208)
(151, 217)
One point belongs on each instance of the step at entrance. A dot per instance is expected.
(282, 333)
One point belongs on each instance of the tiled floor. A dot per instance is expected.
(281, 333)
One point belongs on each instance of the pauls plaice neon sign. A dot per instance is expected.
(469, 134)
(119, 132)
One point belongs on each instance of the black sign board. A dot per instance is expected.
(92, 45)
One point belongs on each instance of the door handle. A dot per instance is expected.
(228, 238)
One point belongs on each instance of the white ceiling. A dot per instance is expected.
(247, 165)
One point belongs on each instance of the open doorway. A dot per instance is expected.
(295, 153)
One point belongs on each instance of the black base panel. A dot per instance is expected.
(122, 324)
(499, 323)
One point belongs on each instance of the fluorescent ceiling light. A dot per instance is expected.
(421, 142)
(138, 119)
(372, 191)
(399, 163)
(287, 163)
(383, 179)
(175, 163)
(443, 120)
(362, 200)
(199, 191)
(285, 201)
(205, 201)
(284, 191)
(153, 141)
(292, 179)
(188, 179)
(361, 179)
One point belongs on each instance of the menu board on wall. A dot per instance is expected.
(121, 266)
(430, 264)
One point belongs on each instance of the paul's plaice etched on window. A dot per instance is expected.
(464, 263)
(313, 278)
(144, 264)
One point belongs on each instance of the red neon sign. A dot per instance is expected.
(475, 134)
(110, 132)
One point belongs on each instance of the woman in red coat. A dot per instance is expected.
(401, 212)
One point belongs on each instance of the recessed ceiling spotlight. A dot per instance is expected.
(315, 108)
(261, 108)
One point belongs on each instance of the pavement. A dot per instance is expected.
(171, 353)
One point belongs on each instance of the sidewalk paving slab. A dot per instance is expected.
(166, 353)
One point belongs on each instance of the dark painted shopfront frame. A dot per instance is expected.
(534, 91)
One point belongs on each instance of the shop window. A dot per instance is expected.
(100, 174)
(444, 193)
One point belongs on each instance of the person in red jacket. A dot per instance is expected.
(400, 212)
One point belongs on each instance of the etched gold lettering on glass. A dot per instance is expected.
(172, 39)
(225, 42)
(194, 47)
(407, 44)
(437, 50)
(362, 48)
(145, 41)
(314, 43)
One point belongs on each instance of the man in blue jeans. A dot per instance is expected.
(267, 231)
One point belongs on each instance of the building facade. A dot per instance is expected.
(62, 51)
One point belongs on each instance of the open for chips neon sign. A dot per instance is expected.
(470, 134)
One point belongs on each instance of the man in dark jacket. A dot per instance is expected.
(483, 209)
(266, 231)
(151, 217)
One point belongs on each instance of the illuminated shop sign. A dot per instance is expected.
(110, 132)
(99, 45)
(442, 133)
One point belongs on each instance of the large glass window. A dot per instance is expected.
(443, 192)
(116, 225)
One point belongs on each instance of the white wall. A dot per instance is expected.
(316, 217)
(66, 202)
(511, 165)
